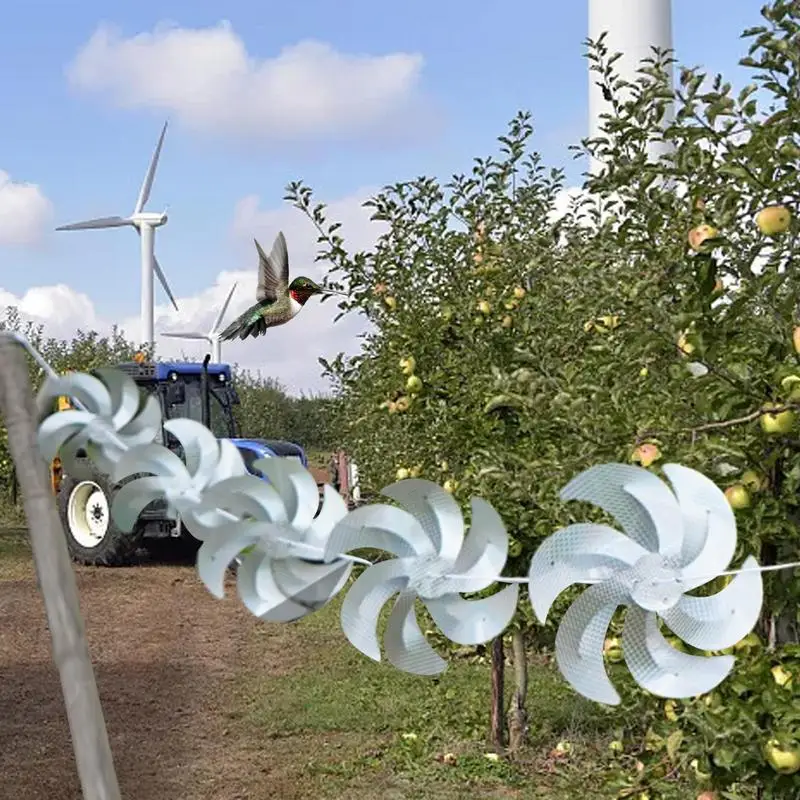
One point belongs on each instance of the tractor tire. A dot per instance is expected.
(93, 538)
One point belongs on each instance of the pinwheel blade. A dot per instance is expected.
(580, 638)
(605, 486)
(87, 389)
(298, 490)
(382, 527)
(406, 646)
(581, 553)
(720, 620)
(56, 429)
(661, 669)
(363, 603)
(245, 495)
(133, 498)
(709, 525)
(332, 511)
(124, 394)
(230, 461)
(216, 554)
(484, 551)
(315, 585)
(470, 622)
(436, 511)
(260, 593)
(200, 447)
(152, 458)
(664, 512)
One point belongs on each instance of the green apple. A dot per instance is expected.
(391, 302)
(519, 292)
(738, 496)
(616, 746)
(514, 547)
(613, 651)
(401, 474)
(415, 471)
(450, 485)
(402, 404)
(781, 676)
(507, 321)
(669, 710)
(784, 760)
(779, 423)
(408, 365)
(753, 481)
(484, 307)
(773, 220)
(414, 384)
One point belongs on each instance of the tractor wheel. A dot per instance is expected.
(84, 505)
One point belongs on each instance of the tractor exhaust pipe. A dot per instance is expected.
(205, 393)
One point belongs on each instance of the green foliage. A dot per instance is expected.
(546, 345)
(266, 410)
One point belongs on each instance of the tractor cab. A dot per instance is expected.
(202, 392)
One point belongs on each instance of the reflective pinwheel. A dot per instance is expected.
(115, 415)
(676, 541)
(282, 576)
(207, 460)
(434, 562)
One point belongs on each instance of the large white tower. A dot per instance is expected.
(633, 27)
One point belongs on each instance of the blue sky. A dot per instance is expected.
(480, 65)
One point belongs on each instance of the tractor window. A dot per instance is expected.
(192, 408)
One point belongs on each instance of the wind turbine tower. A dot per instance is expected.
(145, 223)
(633, 28)
(213, 336)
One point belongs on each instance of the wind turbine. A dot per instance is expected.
(145, 223)
(633, 28)
(212, 337)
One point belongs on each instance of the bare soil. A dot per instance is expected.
(168, 659)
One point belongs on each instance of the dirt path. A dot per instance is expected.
(166, 683)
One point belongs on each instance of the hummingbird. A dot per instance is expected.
(277, 300)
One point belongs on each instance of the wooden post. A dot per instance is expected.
(56, 581)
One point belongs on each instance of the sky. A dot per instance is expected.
(346, 96)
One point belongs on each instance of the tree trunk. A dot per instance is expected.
(498, 731)
(56, 581)
(517, 714)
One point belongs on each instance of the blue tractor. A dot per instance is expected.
(202, 392)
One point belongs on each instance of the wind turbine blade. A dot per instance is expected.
(163, 281)
(144, 193)
(176, 335)
(100, 222)
(221, 315)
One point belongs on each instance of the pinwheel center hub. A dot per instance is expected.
(654, 584)
(100, 432)
(428, 578)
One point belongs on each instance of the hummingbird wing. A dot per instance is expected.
(273, 271)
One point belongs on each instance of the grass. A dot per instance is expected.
(15, 554)
(369, 727)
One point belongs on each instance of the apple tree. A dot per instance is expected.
(655, 321)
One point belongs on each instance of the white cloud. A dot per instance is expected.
(24, 212)
(209, 81)
(288, 353)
